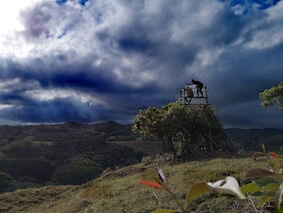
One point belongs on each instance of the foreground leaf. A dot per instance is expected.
(257, 154)
(271, 187)
(258, 172)
(161, 175)
(152, 184)
(273, 154)
(229, 185)
(264, 182)
(263, 200)
(250, 188)
(197, 190)
(278, 197)
(275, 164)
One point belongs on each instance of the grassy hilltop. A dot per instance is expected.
(120, 191)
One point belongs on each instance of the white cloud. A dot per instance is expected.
(265, 30)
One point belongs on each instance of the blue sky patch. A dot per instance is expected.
(60, 2)
(264, 4)
(82, 2)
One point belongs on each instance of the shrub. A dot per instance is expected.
(5, 181)
(78, 170)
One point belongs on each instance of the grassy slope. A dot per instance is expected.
(120, 191)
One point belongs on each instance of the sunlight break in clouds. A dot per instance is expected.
(9, 15)
(9, 21)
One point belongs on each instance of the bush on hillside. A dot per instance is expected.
(37, 168)
(77, 171)
(5, 181)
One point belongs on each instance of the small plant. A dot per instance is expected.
(267, 186)
(229, 185)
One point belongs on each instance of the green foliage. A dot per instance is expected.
(229, 185)
(188, 130)
(269, 183)
(5, 181)
(31, 154)
(148, 122)
(75, 173)
(38, 168)
(267, 187)
(79, 169)
(272, 96)
(22, 149)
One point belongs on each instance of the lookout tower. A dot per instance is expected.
(211, 135)
(189, 95)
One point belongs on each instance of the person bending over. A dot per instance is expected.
(199, 87)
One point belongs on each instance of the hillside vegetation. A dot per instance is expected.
(119, 190)
(70, 153)
(74, 167)
(75, 153)
(250, 139)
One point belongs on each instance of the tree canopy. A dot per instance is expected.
(273, 95)
(187, 131)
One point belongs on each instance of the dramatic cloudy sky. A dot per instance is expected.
(100, 60)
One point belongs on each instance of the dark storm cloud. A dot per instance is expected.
(246, 75)
(102, 60)
(248, 115)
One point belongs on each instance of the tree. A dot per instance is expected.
(188, 130)
(273, 95)
(148, 122)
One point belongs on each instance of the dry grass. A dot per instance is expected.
(119, 191)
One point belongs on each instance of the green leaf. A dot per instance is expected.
(258, 172)
(275, 164)
(263, 182)
(263, 200)
(258, 194)
(214, 209)
(250, 188)
(271, 186)
(165, 211)
(197, 190)
(279, 175)
(278, 197)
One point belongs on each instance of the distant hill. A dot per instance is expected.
(55, 132)
(251, 139)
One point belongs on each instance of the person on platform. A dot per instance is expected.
(199, 87)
